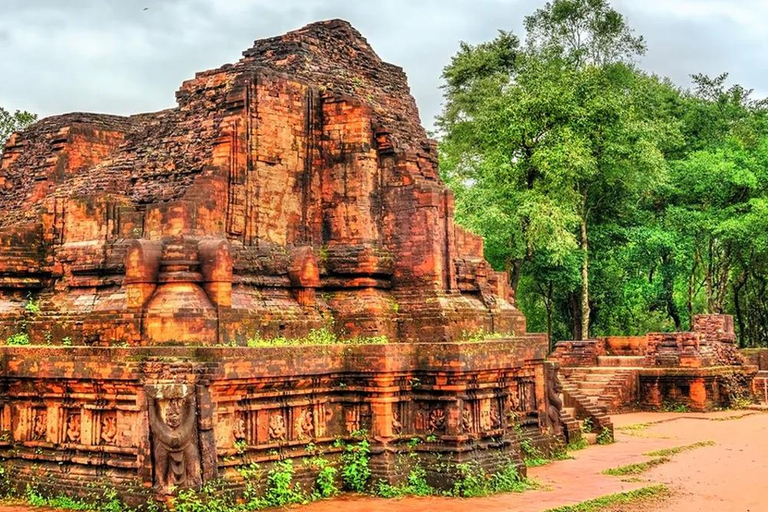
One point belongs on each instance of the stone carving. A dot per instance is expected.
(466, 418)
(397, 427)
(72, 433)
(176, 453)
(494, 416)
(277, 428)
(437, 420)
(108, 428)
(554, 402)
(305, 425)
(39, 424)
(239, 428)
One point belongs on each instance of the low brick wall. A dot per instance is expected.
(72, 416)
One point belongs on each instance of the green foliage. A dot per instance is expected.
(415, 485)
(18, 338)
(355, 459)
(610, 502)
(674, 407)
(575, 446)
(668, 452)
(637, 468)
(15, 122)
(322, 336)
(605, 436)
(616, 202)
(473, 481)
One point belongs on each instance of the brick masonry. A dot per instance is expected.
(292, 190)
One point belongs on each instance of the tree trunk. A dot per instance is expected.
(742, 335)
(668, 279)
(584, 280)
(548, 305)
(514, 268)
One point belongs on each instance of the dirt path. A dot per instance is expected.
(728, 476)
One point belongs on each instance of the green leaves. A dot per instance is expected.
(10, 123)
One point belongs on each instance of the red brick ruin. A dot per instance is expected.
(291, 191)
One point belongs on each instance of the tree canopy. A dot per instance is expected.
(617, 202)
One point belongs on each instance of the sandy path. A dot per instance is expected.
(729, 476)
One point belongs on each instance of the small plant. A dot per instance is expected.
(474, 481)
(32, 307)
(674, 407)
(415, 485)
(19, 338)
(355, 460)
(586, 425)
(605, 436)
(280, 488)
(66, 341)
(575, 446)
(241, 446)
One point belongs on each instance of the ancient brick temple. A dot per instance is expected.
(700, 370)
(291, 191)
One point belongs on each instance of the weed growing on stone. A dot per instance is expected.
(355, 471)
(474, 481)
(605, 436)
(322, 336)
(667, 452)
(652, 492)
(415, 485)
(575, 446)
(19, 338)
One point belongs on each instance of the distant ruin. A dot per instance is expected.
(292, 191)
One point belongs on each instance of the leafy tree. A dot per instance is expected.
(10, 123)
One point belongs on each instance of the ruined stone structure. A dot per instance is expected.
(702, 369)
(290, 191)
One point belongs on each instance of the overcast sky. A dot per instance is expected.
(130, 56)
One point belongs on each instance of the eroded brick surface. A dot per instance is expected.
(305, 158)
(292, 190)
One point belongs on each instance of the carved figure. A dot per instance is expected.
(277, 427)
(437, 420)
(73, 428)
(108, 429)
(239, 429)
(397, 427)
(554, 402)
(175, 450)
(40, 425)
(466, 418)
(306, 424)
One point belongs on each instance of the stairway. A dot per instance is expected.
(613, 388)
(577, 404)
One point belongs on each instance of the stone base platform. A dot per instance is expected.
(149, 420)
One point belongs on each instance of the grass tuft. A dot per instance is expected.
(637, 468)
(649, 493)
(668, 452)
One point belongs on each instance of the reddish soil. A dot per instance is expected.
(728, 476)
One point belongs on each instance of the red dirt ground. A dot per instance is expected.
(729, 476)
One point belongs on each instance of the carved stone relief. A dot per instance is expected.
(173, 423)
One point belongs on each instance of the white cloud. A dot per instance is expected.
(114, 56)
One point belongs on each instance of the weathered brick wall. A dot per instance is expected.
(308, 152)
(82, 416)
